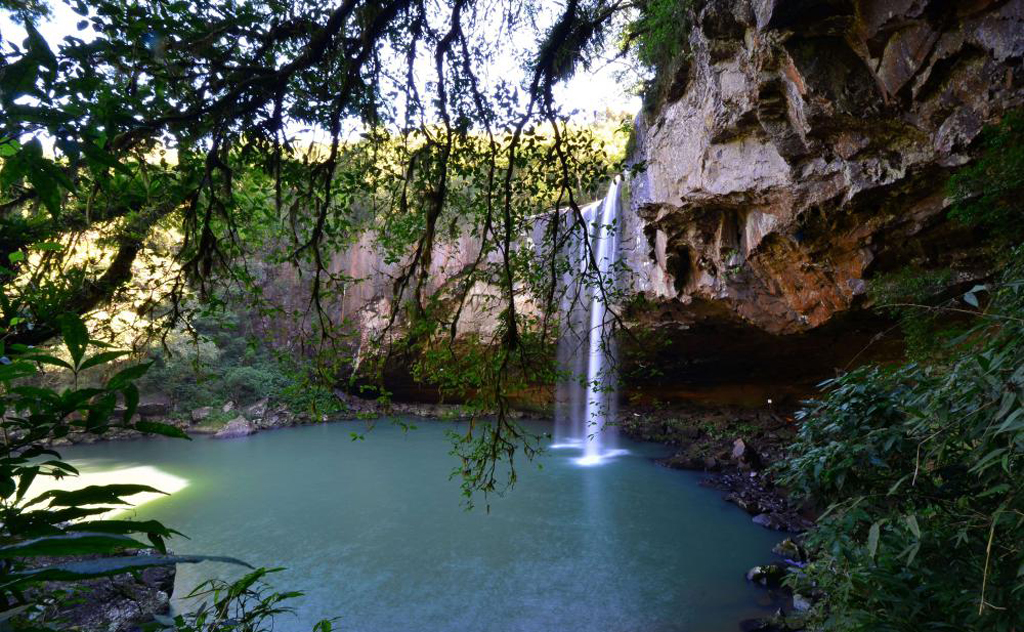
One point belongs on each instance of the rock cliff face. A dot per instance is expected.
(800, 148)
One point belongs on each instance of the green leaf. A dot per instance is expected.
(25, 481)
(104, 567)
(76, 336)
(18, 78)
(93, 495)
(125, 377)
(7, 486)
(39, 47)
(131, 401)
(72, 400)
(51, 246)
(1011, 423)
(9, 147)
(100, 159)
(911, 552)
(914, 528)
(16, 256)
(100, 412)
(102, 358)
(83, 543)
(46, 188)
(15, 370)
(873, 533)
(48, 359)
(125, 527)
(167, 430)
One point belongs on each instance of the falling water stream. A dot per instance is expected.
(587, 395)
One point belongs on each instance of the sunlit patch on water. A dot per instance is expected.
(134, 475)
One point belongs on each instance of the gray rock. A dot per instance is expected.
(155, 405)
(765, 520)
(768, 575)
(802, 603)
(739, 449)
(120, 603)
(199, 414)
(237, 427)
(257, 410)
(795, 150)
(790, 550)
(228, 406)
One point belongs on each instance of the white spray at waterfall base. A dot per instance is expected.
(587, 398)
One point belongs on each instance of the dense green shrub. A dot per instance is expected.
(920, 467)
(917, 298)
(216, 362)
(990, 192)
(250, 382)
(659, 33)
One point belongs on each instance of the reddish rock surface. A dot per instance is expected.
(803, 148)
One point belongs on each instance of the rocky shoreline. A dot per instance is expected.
(120, 603)
(231, 421)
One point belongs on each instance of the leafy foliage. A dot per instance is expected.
(920, 466)
(48, 525)
(245, 605)
(989, 192)
(217, 361)
(916, 297)
(659, 32)
(659, 38)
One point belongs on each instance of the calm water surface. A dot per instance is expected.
(372, 532)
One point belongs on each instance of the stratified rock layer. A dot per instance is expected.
(802, 147)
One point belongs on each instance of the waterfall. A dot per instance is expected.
(586, 399)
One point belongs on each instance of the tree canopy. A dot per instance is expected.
(287, 130)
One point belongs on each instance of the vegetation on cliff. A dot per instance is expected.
(920, 464)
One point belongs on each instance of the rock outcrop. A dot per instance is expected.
(802, 147)
(798, 149)
(237, 427)
(120, 603)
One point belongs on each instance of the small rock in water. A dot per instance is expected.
(154, 406)
(790, 550)
(768, 575)
(764, 520)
